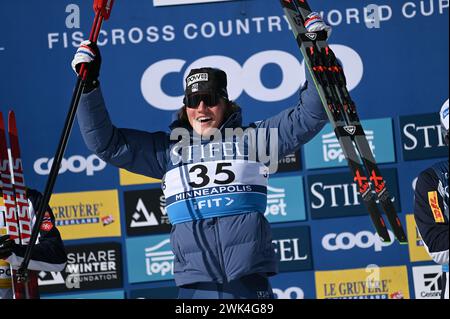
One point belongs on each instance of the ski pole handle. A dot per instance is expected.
(102, 9)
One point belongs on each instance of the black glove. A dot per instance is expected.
(6, 246)
(89, 53)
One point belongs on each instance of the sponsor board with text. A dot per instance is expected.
(87, 214)
(353, 242)
(427, 281)
(293, 248)
(422, 137)
(364, 283)
(145, 212)
(149, 258)
(294, 285)
(324, 150)
(417, 250)
(337, 195)
(285, 199)
(89, 267)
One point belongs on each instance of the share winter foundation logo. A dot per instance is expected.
(89, 267)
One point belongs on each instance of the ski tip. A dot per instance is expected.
(402, 241)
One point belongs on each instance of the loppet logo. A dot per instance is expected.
(336, 195)
(293, 248)
(289, 293)
(88, 268)
(74, 164)
(422, 137)
(149, 258)
(378, 132)
(346, 241)
(145, 212)
(128, 178)
(285, 200)
(245, 78)
(355, 284)
(160, 3)
(427, 282)
(417, 251)
(87, 214)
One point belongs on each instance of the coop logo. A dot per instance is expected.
(88, 267)
(422, 137)
(289, 293)
(347, 241)
(427, 282)
(160, 3)
(335, 195)
(246, 77)
(378, 132)
(285, 200)
(146, 212)
(75, 164)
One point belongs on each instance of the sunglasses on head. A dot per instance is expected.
(210, 99)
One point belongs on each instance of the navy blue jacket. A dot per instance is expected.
(206, 249)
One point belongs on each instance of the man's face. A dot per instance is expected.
(203, 118)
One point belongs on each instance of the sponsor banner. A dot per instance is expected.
(87, 214)
(89, 267)
(285, 200)
(337, 195)
(371, 282)
(422, 137)
(113, 294)
(155, 293)
(145, 212)
(293, 248)
(353, 241)
(289, 163)
(417, 250)
(427, 282)
(298, 285)
(149, 258)
(324, 150)
(127, 178)
(159, 3)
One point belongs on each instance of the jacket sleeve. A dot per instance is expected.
(136, 151)
(433, 226)
(49, 252)
(299, 124)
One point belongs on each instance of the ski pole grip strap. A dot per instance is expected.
(103, 7)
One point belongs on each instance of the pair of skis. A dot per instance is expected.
(331, 84)
(17, 216)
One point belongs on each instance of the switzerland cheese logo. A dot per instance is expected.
(434, 205)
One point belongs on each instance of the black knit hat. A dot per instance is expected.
(207, 80)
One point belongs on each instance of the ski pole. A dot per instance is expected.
(102, 9)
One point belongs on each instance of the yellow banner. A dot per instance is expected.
(87, 214)
(128, 178)
(417, 251)
(364, 283)
(434, 206)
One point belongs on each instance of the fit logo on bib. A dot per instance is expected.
(211, 189)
